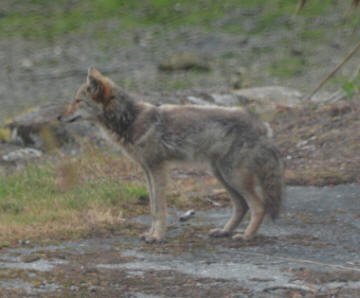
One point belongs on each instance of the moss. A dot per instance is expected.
(288, 67)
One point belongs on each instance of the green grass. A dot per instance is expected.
(49, 19)
(73, 198)
(287, 67)
(313, 35)
(37, 201)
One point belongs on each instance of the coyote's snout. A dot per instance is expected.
(232, 141)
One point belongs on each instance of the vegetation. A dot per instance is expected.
(48, 19)
(68, 198)
(352, 87)
(96, 191)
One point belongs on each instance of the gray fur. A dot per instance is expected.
(234, 142)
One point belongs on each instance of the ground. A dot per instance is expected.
(320, 145)
(312, 251)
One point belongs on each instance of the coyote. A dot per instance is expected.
(232, 141)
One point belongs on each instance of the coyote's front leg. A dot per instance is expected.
(156, 179)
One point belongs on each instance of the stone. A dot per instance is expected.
(268, 98)
(22, 154)
(185, 61)
(40, 128)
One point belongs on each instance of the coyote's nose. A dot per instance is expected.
(59, 118)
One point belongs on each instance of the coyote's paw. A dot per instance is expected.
(242, 237)
(151, 237)
(219, 233)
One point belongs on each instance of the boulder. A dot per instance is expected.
(227, 99)
(185, 61)
(40, 128)
(22, 154)
(14, 157)
(268, 98)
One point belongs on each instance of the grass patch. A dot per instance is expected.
(49, 19)
(287, 67)
(96, 192)
(313, 35)
(68, 198)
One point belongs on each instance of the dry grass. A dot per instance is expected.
(69, 198)
(320, 145)
(96, 191)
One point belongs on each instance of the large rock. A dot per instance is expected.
(268, 98)
(22, 154)
(225, 99)
(263, 98)
(13, 157)
(185, 61)
(40, 128)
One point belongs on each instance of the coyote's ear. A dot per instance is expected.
(99, 86)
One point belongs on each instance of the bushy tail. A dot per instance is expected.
(271, 176)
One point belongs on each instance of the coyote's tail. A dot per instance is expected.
(271, 177)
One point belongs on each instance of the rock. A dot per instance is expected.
(23, 154)
(14, 157)
(197, 100)
(185, 61)
(187, 215)
(26, 63)
(267, 98)
(40, 129)
(263, 98)
(227, 99)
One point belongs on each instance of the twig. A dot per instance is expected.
(300, 6)
(352, 52)
(352, 8)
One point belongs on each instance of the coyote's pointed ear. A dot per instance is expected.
(99, 86)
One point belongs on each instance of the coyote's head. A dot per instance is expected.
(90, 99)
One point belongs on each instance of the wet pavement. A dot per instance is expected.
(313, 250)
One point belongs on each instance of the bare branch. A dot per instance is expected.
(330, 75)
(300, 6)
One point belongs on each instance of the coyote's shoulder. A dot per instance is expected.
(234, 142)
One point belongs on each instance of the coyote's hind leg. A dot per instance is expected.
(239, 204)
(256, 205)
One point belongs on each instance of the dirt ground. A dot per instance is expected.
(312, 251)
(320, 145)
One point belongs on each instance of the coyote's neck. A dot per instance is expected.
(118, 116)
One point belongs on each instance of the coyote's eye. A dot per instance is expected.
(78, 100)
